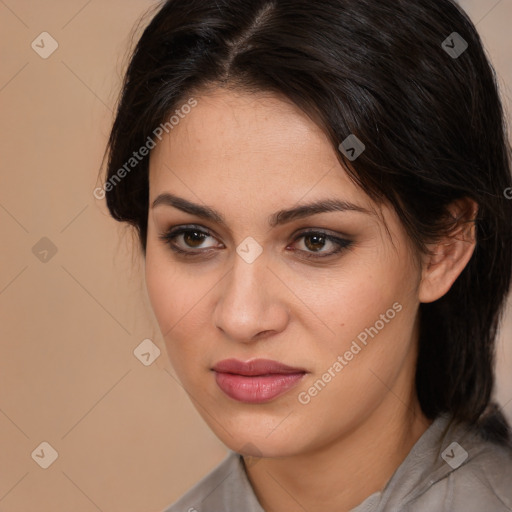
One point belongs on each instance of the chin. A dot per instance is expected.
(258, 437)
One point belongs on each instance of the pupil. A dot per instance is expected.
(189, 237)
(320, 242)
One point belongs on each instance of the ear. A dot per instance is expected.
(449, 255)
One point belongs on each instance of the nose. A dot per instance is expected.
(252, 304)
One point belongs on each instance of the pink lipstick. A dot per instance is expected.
(256, 381)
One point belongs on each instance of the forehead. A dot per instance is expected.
(257, 144)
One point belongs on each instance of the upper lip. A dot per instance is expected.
(255, 367)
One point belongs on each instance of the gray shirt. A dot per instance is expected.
(449, 469)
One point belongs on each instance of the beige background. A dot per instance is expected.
(126, 435)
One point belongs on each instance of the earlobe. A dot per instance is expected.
(449, 256)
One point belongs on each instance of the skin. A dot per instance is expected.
(248, 156)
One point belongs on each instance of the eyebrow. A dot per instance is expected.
(279, 218)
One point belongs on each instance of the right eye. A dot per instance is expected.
(184, 239)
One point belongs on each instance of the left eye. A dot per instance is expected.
(316, 241)
(194, 238)
(191, 237)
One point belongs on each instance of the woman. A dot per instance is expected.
(319, 191)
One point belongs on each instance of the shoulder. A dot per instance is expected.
(485, 482)
(226, 487)
(473, 475)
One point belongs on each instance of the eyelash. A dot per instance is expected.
(169, 236)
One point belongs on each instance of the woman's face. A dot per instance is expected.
(253, 284)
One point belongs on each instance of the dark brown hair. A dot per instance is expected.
(388, 71)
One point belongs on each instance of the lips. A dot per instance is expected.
(255, 367)
(256, 381)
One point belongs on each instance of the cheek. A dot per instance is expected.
(347, 302)
(161, 285)
(179, 301)
(168, 293)
(351, 304)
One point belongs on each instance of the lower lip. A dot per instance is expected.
(256, 389)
